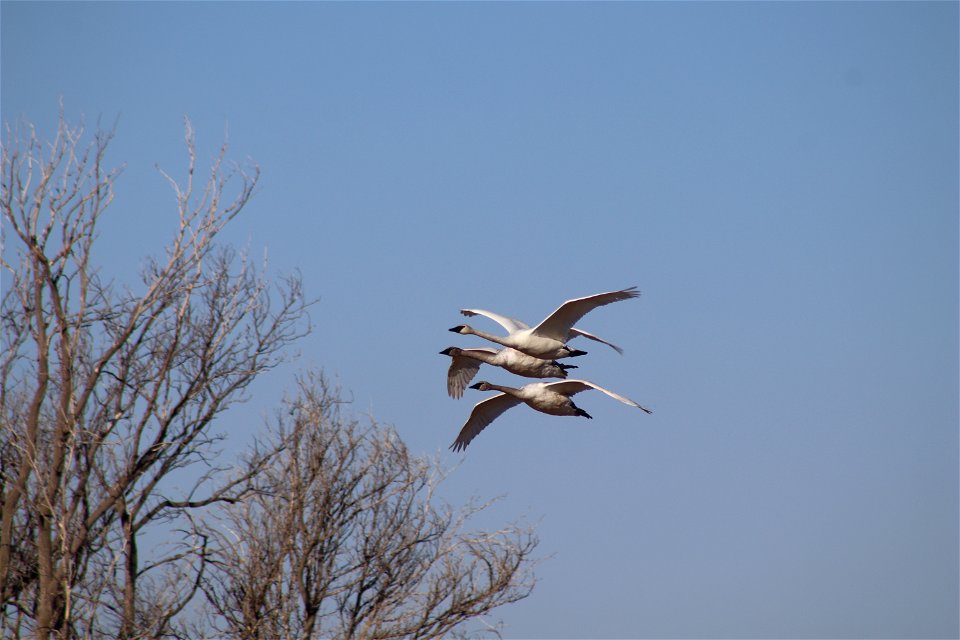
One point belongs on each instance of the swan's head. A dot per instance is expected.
(482, 386)
(461, 328)
(451, 351)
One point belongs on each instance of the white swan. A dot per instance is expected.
(548, 397)
(548, 339)
(466, 362)
(512, 325)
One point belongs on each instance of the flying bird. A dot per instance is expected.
(465, 363)
(548, 340)
(547, 397)
(512, 325)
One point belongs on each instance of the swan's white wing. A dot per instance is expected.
(461, 372)
(483, 413)
(570, 387)
(558, 324)
(510, 324)
(580, 332)
(464, 367)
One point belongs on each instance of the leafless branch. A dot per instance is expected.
(106, 391)
(346, 539)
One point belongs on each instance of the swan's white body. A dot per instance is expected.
(466, 362)
(547, 397)
(548, 339)
(512, 326)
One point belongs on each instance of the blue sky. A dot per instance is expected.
(779, 179)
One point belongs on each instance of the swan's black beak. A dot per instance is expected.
(476, 386)
(457, 329)
(446, 351)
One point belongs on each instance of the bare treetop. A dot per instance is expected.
(328, 529)
(106, 392)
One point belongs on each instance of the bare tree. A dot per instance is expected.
(107, 391)
(345, 539)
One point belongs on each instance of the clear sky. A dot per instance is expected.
(779, 179)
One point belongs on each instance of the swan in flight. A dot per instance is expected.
(548, 339)
(548, 397)
(512, 325)
(466, 362)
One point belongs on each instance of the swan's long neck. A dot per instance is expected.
(489, 336)
(482, 356)
(516, 393)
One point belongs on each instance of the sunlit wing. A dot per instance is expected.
(571, 387)
(510, 324)
(558, 324)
